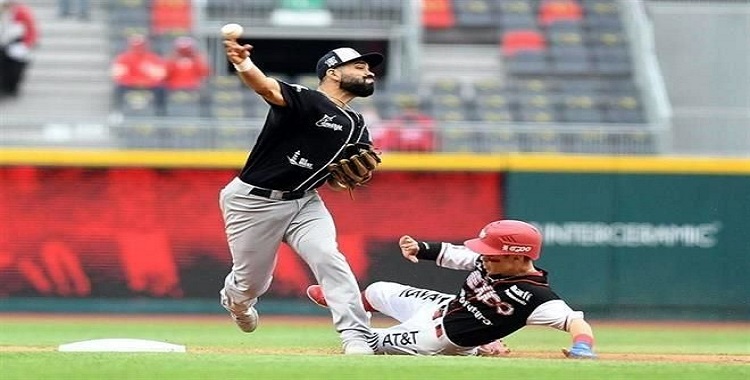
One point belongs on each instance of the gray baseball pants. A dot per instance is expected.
(255, 228)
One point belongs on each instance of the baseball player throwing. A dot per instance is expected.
(274, 198)
(503, 293)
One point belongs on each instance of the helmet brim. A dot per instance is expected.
(481, 248)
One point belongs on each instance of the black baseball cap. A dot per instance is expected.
(344, 55)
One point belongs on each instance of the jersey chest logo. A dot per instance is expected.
(327, 122)
(302, 162)
(517, 294)
(485, 293)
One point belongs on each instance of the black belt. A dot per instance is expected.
(277, 194)
(439, 330)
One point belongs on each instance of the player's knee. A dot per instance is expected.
(321, 257)
(375, 286)
(377, 290)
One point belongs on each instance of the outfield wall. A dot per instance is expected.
(626, 237)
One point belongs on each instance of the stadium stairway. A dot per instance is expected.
(68, 80)
(467, 62)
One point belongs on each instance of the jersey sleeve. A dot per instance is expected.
(555, 313)
(456, 257)
(297, 97)
(365, 138)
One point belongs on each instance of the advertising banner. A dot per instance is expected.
(143, 232)
(634, 240)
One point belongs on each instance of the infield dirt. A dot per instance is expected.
(315, 320)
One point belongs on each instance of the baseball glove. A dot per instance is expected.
(355, 166)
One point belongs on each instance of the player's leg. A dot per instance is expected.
(422, 334)
(254, 228)
(312, 235)
(17, 70)
(315, 294)
(4, 73)
(402, 302)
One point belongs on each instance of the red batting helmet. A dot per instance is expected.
(507, 237)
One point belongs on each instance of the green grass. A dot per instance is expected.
(285, 350)
(646, 339)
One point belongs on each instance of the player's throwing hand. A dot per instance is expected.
(409, 248)
(236, 52)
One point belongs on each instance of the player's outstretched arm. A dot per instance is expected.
(409, 248)
(583, 340)
(251, 75)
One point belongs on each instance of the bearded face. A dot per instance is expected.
(361, 86)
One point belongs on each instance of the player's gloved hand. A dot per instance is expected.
(579, 350)
(496, 348)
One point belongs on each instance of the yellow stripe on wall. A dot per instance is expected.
(134, 158)
(567, 163)
(391, 161)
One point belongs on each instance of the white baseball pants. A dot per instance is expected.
(420, 312)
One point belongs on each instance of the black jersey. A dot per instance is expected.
(300, 140)
(490, 307)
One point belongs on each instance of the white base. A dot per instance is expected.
(120, 345)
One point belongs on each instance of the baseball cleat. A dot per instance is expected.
(357, 347)
(315, 294)
(246, 317)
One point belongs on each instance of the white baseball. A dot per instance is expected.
(231, 31)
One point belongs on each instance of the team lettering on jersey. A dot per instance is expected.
(473, 309)
(486, 294)
(426, 295)
(519, 295)
(299, 161)
(326, 122)
(298, 87)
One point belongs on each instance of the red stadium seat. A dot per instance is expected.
(554, 10)
(438, 14)
(174, 17)
(522, 39)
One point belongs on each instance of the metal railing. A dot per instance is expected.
(381, 14)
(241, 134)
(647, 70)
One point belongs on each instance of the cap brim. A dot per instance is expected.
(372, 59)
(479, 247)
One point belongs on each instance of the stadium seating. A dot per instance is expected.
(438, 14)
(516, 14)
(233, 136)
(171, 17)
(474, 13)
(564, 62)
(188, 134)
(183, 104)
(459, 140)
(498, 139)
(551, 11)
(581, 108)
(517, 40)
(140, 134)
(139, 103)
